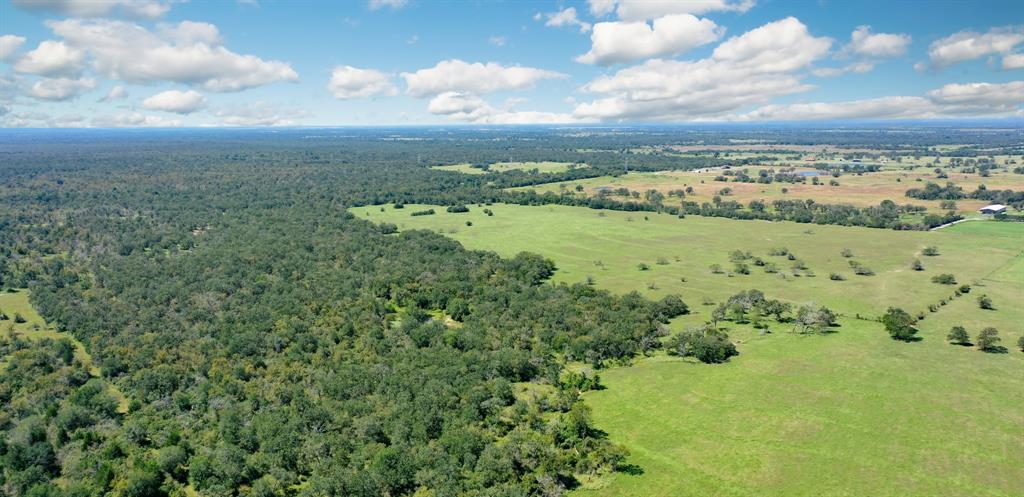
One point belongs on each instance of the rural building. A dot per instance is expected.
(993, 209)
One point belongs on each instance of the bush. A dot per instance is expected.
(965, 288)
(930, 251)
(18, 318)
(836, 277)
(643, 266)
(985, 302)
(944, 279)
(916, 265)
(428, 212)
(456, 209)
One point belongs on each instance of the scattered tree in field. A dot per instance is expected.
(662, 261)
(899, 324)
(705, 343)
(985, 302)
(988, 340)
(3, 315)
(811, 318)
(958, 335)
(716, 268)
(456, 209)
(1020, 343)
(741, 268)
(860, 269)
(916, 265)
(643, 266)
(964, 289)
(836, 277)
(18, 318)
(944, 279)
(847, 253)
(930, 251)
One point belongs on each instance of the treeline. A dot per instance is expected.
(887, 214)
(933, 191)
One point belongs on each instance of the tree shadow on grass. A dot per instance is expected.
(630, 469)
(996, 349)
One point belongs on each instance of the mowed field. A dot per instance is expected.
(865, 190)
(500, 167)
(846, 414)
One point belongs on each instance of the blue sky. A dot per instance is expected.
(107, 63)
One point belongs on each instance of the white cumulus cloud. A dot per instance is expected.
(865, 43)
(187, 53)
(351, 82)
(51, 58)
(951, 100)
(146, 9)
(9, 45)
(178, 102)
(744, 70)
(1013, 61)
(380, 4)
(59, 89)
(566, 17)
(970, 45)
(477, 78)
(618, 42)
(641, 10)
(116, 93)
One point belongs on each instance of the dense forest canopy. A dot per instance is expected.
(268, 343)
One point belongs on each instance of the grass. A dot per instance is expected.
(865, 190)
(850, 413)
(500, 167)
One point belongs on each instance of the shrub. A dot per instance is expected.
(456, 209)
(916, 265)
(428, 212)
(643, 266)
(930, 251)
(965, 289)
(944, 279)
(985, 302)
(836, 277)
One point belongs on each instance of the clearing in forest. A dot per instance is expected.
(877, 416)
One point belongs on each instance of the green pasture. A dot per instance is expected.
(846, 414)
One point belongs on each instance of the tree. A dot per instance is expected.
(1020, 343)
(958, 335)
(944, 279)
(705, 343)
(916, 265)
(985, 302)
(988, 340)
(899, 324)
(930, 251)
(811, 318)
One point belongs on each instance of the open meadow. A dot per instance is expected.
(863, 190)
(895, 418)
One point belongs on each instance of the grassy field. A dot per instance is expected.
(500, 167)
(851, 413)
(866, 190)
